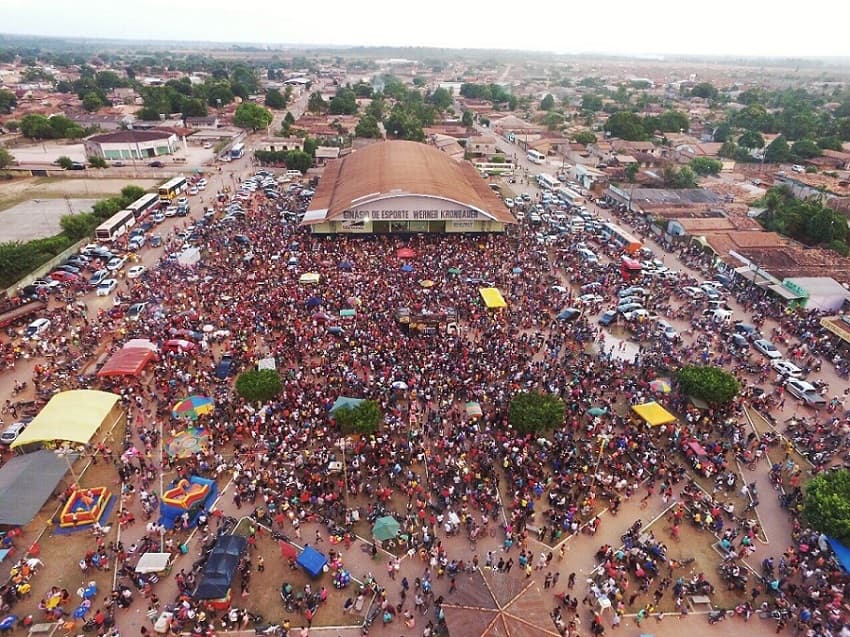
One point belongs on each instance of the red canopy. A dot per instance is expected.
(288, 551)
(405, 253)
(129, 361)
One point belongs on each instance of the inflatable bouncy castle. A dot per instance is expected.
(190, 496)
(84, 506)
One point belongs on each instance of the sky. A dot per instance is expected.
(812, 28)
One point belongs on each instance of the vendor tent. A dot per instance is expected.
(189, 257)
(26, 483)
(842, 553)
(385, 528)
(128, 361)
(153, 563)
(220, 567)
(653, 414)
(312, 561)
(493, 299)
(141, 342)
(309, 277)
(345, 401)
(72, 416)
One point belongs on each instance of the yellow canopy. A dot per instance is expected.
(309, 277)
(70, 416)
(653, 414)
(492, 298)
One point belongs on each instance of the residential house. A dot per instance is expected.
(208, 121)
(481, 145)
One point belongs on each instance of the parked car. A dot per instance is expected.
(11, 433)
(135, 272)
(786, 368)
(106, 287)
(63, 277)
(225, 367)
(116, 263)
(97, 277)
(608, 317)
(749, 331)
(805, 392)
(38, 327)
(136, 310)
(156, 164)
(569, 314)
(767, 348)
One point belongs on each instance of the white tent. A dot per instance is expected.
(189, 257)
(153, 562)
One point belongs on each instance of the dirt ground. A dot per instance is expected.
(18, 190)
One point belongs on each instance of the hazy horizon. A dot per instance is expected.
(722, 29)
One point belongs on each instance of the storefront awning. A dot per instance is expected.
(653, 414)
(492, 298)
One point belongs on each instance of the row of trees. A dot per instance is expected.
(292, 159)
(806, 220)
(20, 258)
(630, 126)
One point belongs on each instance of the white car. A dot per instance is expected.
(171, 211)
(106, 287)
(135, 272)
(767, 348)
(193, 190)
(786, 368)
(509, 202)
(36, 328)
(666, 330)
(693, 292)
(587, 299)
(805, 392)
(634, 315)
(116, 263)
(183, 201)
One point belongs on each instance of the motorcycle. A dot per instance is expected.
(716, 616)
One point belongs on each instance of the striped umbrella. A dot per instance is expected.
(193, 407)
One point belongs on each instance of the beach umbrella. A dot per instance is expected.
(454, 270)
(407, 268)
(354, 301)
(385, 528)
(192, 407)
(405, 253)
(187, 443)
(399, 384)
(660, 386)
(597, 411)
(321, 317)
(314, 301)
(426, 283)
(345, 266)
(517, 270)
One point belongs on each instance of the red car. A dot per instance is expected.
(63, 277)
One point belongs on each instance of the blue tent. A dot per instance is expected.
(312, 561)
(345, 401)
(220, 567)
(842, 553)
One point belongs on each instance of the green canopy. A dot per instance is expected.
(454, 270)
(597, 411)
(385, 528)
(346, 312)
(345, 401)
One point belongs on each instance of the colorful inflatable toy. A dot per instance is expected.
(85, 506)
(186, 494)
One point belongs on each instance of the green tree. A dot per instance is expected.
(194, 107)
(441, 98)
(275, 99)
(547, 103)
(830, 142)
(706, 166)
(218, 94)
(553, 120)
(467, 119)
(678, 178)
(298, 160)
(363, 418)
(6, 158)
(751, 139)
(533, 412)
(368, 127)
(316, 103)
(310, 145)
(343, 103)
(631, 171)
(626, 125)
(805, 149)
(259, 385)
(712, 384)
(78, 226)
(826, 504)
(777, 151)
(8, 101)
(131, 193)
(668, 122)
(97, 162)
(37, 127)
(65, 162)
(591, 103)
(253, 116)
(585, 137)
(705, 90)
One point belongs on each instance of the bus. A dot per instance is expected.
(237, 150)
(630, 269)
(144, 205)
(493, 168)
(569, 197)
(535, 157)
(171, 188)
(547, 182)
(619, 237)
(115, 226)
